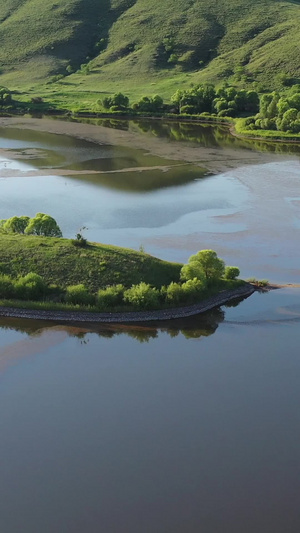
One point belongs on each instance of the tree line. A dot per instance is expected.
(277, 112)
(225, 101)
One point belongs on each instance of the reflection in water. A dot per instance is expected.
(44, 335)
(197, 326)
(146, 180)
(207, 135)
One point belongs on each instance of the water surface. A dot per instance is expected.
(186, 426)
(104, 432)
(125, 196)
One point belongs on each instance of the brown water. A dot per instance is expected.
(186, 426)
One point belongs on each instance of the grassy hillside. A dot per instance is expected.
(144, 46)
(96, 265)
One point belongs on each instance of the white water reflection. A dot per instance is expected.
(12, 164)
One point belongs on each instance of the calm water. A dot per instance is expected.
(250, 215)
(103, 431)
(185, 426)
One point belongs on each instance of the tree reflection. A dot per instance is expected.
(194, 327)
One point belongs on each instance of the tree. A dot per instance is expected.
(232, 272)
(149, 104)
(252, 101)
(142, 296)
(118, 101)
(208, 264)
(43, 225)
(16, 224)
(192, 270)
(5, 96)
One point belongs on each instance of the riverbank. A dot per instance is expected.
(135, 316)
(214, 159)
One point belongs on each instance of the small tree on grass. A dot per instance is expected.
(142, 296)
(174, 293)
(30, 287)
(110, 297)
(16, 224)
(232, 272)
(118, 101)
(79, 295)
(44, 225)
(205, 264)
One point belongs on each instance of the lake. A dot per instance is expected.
(183, 426)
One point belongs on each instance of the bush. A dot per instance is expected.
(187, 110)
(231, 272)
(6, 287)
(79, 295)
(175, 293)
(192, 289)
(117, 102)
(187, 292)
(30, 287)
(142, 296)
(80, 241)
(110, 297)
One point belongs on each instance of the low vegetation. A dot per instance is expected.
(52, 272)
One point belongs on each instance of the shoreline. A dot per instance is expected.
(132, 316)
(215, 159)
(65, 116)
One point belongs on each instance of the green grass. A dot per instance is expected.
(250, 44)
(96, 266)
(207, 293)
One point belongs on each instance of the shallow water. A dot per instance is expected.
(250, 215)
(185, 426)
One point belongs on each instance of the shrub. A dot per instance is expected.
(231, 272)
(30, 287)
(187, 110)
(110, 297)
(6, 287)
(192, 289)
(175, 293)
(79, 241)
(79, 295)
(142, 296)
(117, 102)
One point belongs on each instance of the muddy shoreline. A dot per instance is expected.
(214, 160)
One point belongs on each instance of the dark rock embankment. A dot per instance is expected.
(133, 316)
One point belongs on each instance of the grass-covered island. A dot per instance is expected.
(41, 270)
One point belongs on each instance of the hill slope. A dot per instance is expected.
(146, 46)
(96, 265)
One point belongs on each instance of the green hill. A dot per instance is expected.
(145, 46)
(96, 265)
